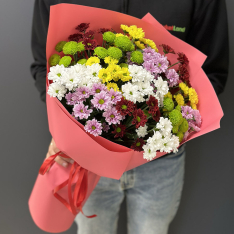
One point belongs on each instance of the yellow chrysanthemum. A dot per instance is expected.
(115, 71)
(149, 43)
(110, 60)
(184, 88)
(193, 98)
(125, 75)
(136, 32)
(104, 75)
(113, 86)
(120, 35)
(139, 45)
(179, 99)
(168, 95)
(92, 60)
(124, 27)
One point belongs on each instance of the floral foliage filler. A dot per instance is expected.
(125, 90)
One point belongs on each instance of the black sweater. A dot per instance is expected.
(201, 23)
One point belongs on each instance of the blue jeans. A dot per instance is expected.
(152, 191)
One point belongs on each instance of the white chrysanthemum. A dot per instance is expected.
(174, 143)
(56, 73)
(159, 97)
(139, 74)
(145, 88)
(70, 80)
(165, 126)
(142, 131)
(57, 90)
(93, 70)
(79, 68)
(149, 153)
(161, 85)
(131, 93)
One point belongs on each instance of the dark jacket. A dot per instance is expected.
(201, 23)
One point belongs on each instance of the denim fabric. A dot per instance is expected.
(152, 191)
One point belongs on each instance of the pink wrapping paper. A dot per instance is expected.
(96, 154)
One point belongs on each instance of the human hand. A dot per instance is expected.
(59, 159)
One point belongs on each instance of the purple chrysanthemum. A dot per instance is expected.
(154, 62)
(71, 99)
(82, 92)
(197, 117)
(114, 95)
(172, 77)
(93, 127)
(187, 112)
(193, 126)
(97, 88)
(101, 100)
(105, 127)
(112, 116)
(81, 111)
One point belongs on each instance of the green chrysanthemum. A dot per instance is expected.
(82, 61)
(100, 52)
(114, 52)
(59, 46)
(175, 117)
(54, 59)
(168, 104)
(175, 129)
(178, 107)
(180, 135)
(137, 57)
(72, 47)
(65, 61)
(123, 43)
(123, 65)
(132, 48)
(184, 126)
(109, 37)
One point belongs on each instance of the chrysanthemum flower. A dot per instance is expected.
(93, 127)
(113, 86)
(182, 58)
(105, 127)
(153, 105)
(136, 32)
(140, 45)
(105, 75)
(65, 61)
(175, 117)
(169, 95)
(172, 77)
(167, 49)
(123, 43)
(193, 98)
(54, 59)
(125, 107)
(92, 60)
(138, 144)
(139, 118)
(109, 37)
(100, 52)
(81, 111)
(179, 99)
(119, 130)
(57, 90)
(83, 92)
(97, 88)
(142, 131)
(90, 44)
(75, 37)
(110, 60)
(72, 47)
(101, 100)
(112, 116)
(59, 46)
(114, 95)
(114, 52)
(137, 57)
(82, 27)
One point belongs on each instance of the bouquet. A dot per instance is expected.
(119, 94)
(125, 90)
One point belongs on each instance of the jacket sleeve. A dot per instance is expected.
(209, 34)
(38, 44)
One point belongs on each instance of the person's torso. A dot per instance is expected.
(175, 15)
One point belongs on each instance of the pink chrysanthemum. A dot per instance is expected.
(82, 92)
(93, 127)
(81, 111)
(97, 88)
(114, 95)
(105, 127)
(172, 77)
(112, 116)
(101, 100)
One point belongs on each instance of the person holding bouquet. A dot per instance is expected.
(153, 190)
